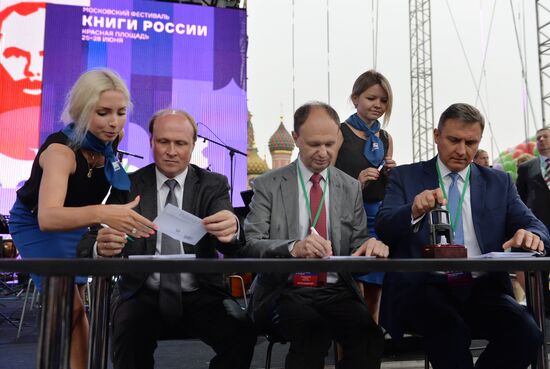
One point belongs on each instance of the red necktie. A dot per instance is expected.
(315, 196)
(314, 279)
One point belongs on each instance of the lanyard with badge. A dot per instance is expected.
(313, 222)
(456, 278)
(311, 279)
(458, 214)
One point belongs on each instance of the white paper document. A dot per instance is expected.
(163, 257)
(349, 257)
(504, 255)
(179, 224)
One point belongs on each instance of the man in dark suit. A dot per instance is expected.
(149, 307)
(449, 309)
(310, 209)
(533, 187)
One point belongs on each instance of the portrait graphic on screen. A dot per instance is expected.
(22, 55)
(21, 60)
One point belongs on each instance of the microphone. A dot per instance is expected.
(122, 152)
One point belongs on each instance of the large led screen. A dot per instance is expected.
(171, 55)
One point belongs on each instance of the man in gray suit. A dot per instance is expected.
(147, 307)
(310, 209)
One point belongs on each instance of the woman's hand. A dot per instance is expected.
(390, 164)
(124, 219)
(366, 175)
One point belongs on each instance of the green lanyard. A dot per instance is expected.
(312, 222)
(459, 209)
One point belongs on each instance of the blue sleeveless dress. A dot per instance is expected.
(352, 161)
(82, 190)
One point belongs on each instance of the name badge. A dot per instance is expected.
(309, 279)
(116, 165)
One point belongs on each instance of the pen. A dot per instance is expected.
(129, 238)
(381, 165)
(535, 252)
(313, 231)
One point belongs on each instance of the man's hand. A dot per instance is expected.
(425, 201)
(110, 242)
(223, 225)
(525, 240)
(372, 247)
(313, 246)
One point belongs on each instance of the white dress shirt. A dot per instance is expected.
(470, 238)
(188, 282)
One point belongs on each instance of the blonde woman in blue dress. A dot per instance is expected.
(71, 175)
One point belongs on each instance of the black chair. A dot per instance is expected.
(272, 339)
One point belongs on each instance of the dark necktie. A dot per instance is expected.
(547, 172)
(315, 196)
(170, 301)
(454, 199)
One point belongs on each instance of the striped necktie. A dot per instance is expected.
(546, 174)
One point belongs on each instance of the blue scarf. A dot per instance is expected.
(374, 147)
(114, 172)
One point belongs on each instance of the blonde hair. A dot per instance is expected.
(367, 80)
(83, 97)
(169, 111)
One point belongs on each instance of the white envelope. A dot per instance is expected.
(179, 224)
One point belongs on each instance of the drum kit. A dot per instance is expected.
(7, 251)
(8, 285)
(7, 247)
(7, 280)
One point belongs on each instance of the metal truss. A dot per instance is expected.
(543, 36)
(421, 79)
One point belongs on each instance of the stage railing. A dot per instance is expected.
(54, 339)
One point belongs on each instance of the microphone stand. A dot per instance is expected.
(232, 152)
(121, 153)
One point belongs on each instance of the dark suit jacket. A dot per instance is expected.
(497, 213)
(273, 224)
(205, 193)
(533, 190)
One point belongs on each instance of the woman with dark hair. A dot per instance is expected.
(365, 153)
(71, 175)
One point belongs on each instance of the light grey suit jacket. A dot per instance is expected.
(273, 224)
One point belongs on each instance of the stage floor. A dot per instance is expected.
(21, 354)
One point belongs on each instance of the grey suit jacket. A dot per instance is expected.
(273, 224)
(533, 190)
